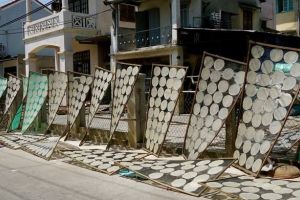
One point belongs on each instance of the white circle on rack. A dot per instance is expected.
(289, 83)
(209, 120)
(265, 147)
(264, 80)
(267, 118)
(255, 149)
(215, 170)
(202, 86)
(180, 73)
(227, 101)
(217, 125)
(249, 196)
(165, 71)
(208, 61)
(228, 74)
(258, 106)
(271, 196)
(247, 103)
(162, 81)
(247, 146)
(276, 55)
(259, 136)
(211, 88)
(262, 93)
(295, 70)
(251, 90)
(217, 97)
(256, 120)
(135, 71)
(285, 99)
(223, 113)
(177, 84)
(254, 64)
(204, 111)
(257, 51)
(277, 77)
(177, 173)
(214, 109)
(275, 127)
(178, 183)
(267, 67)
(239, 77)
(219, 64)
(172, 72)
(242, 159)
(215, 76)
(207, 99)
(155, 175)
(223, 86)
(234, 89)
(256, 165)
(291, 57)
(205, 74)
(280, 113)
(156, 71)
(199, 97)
(251, 77)
(247, 116)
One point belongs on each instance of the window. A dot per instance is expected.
(247, 19)
(10, 70)
(127, 13)
(81, 62)
(79, 6)
(284, 5)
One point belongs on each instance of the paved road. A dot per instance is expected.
(25, 177)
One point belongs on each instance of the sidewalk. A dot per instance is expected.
(26, 177)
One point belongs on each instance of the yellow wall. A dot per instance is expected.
(286, 21)
(94, 58)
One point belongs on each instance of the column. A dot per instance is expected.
(64, 5)
(176, 19)
(176, 59)
(65, 61)
(28, 10)
(137, 113)
(30, 64)
(56, 58)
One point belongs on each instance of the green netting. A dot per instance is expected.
(15, 124)
(3, 85)
(25, 86)
(36, 95)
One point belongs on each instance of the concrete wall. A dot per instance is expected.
(94, 59)
(13, 36)
(268, 12)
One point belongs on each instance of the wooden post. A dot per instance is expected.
(231, 132)
(137, 113)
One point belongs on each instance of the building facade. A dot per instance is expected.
(12, 49)
(151, 34)
(74, 31)
(287, 16)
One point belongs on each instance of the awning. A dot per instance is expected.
(103, 39)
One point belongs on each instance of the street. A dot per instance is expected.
(26, 177)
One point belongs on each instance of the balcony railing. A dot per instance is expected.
(58, 21)
(146, 38)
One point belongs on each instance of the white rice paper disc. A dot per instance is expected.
(295, 70)
(291, 57)
(217, 97)
(205, 74)
(257, 51)
(223, 86)
(219, 64)
(285, 99)
(267, 67)
(228, 74)
(223, 113)
(275, 127)
(276, 55)
(256, 165)
(208, 61)
(251, 77)
(289, 83)
(280, 113)
(254, 64)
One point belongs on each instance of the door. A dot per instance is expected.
(142, 26)
(81, 61)
(154, 27)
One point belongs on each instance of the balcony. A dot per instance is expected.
(60, 21)
(133, 40)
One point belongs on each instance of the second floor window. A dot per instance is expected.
(79, 6)
(127, 13)
(284, 5)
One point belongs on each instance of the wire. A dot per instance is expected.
(27, 14)
(60, 23)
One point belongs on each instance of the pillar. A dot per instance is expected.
(56, 58)
(28, 10)
(176, 59)
(65, 61)
(30, 64)
(64, 5)
(176, 19)
(137, 113)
